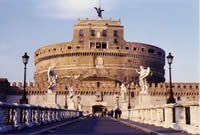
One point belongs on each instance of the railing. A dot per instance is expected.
(177, 116)
(17, 116)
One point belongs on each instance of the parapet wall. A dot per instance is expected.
(160, 89)
(20, 84)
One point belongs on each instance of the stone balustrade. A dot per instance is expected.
(177, 116)
(17, 116)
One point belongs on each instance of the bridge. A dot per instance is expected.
(170, 119)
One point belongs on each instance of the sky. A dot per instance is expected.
(26, 25)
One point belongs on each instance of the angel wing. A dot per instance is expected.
(147, 71)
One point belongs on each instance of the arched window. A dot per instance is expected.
(151, 50)
(115, 41)
(142, 49)
(92, 32)
(104, 33)
(115, 34)
(98, 84)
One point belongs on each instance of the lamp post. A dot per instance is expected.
(66, 106)
(171, 98)
(129, 98)
(24, 99)
(78, 102)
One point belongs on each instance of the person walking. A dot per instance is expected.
(120, 112)
(116, 113)
(111, 113)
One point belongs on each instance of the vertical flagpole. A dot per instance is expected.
(99, 3)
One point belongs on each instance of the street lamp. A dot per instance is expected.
(171, 98)
(129, 98)
(24, 99)
(78, 102)
(66, 98)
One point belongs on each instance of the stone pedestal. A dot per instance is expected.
(124, 106)
(71, 104)
(144, 99)
(51, 100)
(79, 107)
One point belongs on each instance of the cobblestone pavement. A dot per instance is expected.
(161, 130)
(96, 126)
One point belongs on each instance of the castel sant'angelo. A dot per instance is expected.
(96, 63)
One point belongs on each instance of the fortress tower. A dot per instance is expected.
(97, 52)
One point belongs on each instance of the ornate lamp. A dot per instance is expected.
(171, 98)
(25, 58)
(170, 59)
(24, 99)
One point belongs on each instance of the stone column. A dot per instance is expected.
(137, 115)
(153, 113)
(49, 111)
(194, 111)
(180, 117)
(193, 126)
(168, 115)
(159, 116)
(147, 115)
(38, 116)
(19, 125)
(59, 114)
(29, 123)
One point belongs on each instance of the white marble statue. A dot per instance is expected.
(142, 78)
(123, 91)
(71, 102)
(79, 106)
(71, 92)
(52, 77)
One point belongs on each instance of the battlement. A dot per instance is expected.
(175, 85)
(20, 84)
(99, 22)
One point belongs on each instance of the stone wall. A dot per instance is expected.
(183, 92)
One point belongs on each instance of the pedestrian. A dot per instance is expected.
(116, 113)
(120, 112)
(111, 113)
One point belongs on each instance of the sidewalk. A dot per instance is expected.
(39, 129)
(151, 128)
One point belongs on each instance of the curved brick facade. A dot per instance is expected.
(98, 49)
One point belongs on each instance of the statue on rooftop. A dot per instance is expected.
(99, 11)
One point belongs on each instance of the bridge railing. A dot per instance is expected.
(177, 116)
(17, 116)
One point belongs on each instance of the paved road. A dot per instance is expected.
(161, 130)
(96, 126)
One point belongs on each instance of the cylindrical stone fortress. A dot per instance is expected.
(98, 49)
